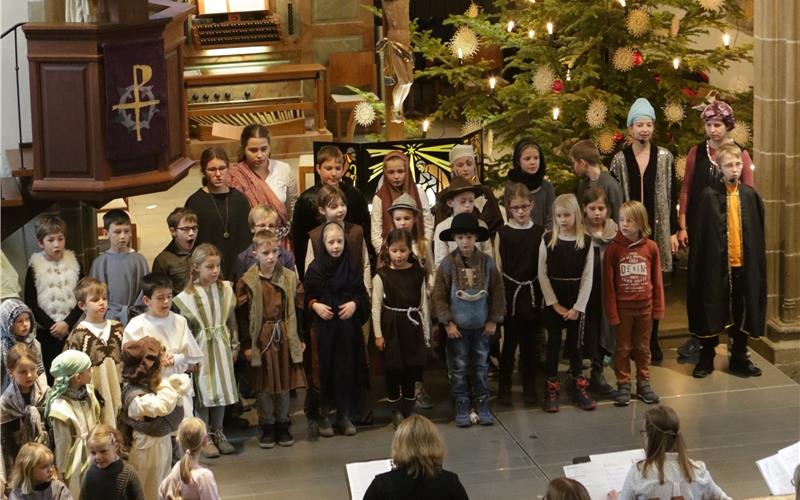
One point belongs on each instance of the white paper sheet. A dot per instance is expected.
(361, 474)
(617, 465)
(592, 476)
(778, 479)
(790, 456)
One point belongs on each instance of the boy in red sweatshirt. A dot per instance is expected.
(633, 296)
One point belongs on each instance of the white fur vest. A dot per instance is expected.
(55, 283)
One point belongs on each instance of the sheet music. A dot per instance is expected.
(361, 474)
(617, 465)
(778, 469)
(592, 476)
(778, 479)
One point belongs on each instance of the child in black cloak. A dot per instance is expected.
(529, 168)
(338, 304)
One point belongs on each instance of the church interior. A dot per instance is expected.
(111, 105)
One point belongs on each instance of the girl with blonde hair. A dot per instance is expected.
(418, 453)
(208, 304)
(109, 477)
(188, 479)
(566, 262)
(34, 475)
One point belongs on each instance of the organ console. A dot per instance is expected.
(263, 61)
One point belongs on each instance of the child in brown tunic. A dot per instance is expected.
(266, 297)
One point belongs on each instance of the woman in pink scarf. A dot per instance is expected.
(263, 180)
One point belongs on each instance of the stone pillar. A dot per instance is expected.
(776, 122)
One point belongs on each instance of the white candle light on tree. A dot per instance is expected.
(556, 112)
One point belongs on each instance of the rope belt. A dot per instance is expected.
(521, 284)
(275, 336)
(408, 311)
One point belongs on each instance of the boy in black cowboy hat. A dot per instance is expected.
(468, 299)
(460, 198)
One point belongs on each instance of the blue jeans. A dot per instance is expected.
(468, 356)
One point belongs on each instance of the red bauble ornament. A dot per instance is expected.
(637, 58)
(617, 137)
(691, 94)
(557, 86)
(657, 77)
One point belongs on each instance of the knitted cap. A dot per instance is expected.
(404, 201)
(641, 109)
(10, 310)
(141, 359)
(461, 151)
(719, 110)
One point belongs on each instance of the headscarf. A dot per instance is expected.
(641, 108)
(65, 366)
(516, 174)
(387, 194)
(332, 278)
(460, 151)
(719, 110)
(141, 359)
(9, 311)
(13, 407)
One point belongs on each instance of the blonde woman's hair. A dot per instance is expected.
(663, 430)
(260, 211)
(199, 255)
(562, 488)
(105, 435)
(29, 456)
(635, 211)
(568, 202)
(418, 448)
(729, 150)
(191, 436)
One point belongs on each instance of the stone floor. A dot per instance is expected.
(728, 422)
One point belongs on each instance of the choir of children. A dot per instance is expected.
(556, 264)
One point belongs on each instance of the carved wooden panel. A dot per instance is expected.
(64, 90)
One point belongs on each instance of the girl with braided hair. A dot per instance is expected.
(667, 471)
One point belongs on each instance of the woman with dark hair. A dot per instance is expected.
(221, 210)
(417, 456)
(262, 179)
(529, 168)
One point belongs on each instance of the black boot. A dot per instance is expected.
(740, 364)
(282, 434)
(705, 366)
(267, 440)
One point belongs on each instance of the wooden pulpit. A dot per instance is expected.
(79, 117)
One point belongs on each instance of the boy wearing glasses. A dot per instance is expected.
(173, 261)
(728, 293)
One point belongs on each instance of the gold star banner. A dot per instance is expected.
(428, 158)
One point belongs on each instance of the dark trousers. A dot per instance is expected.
(739, 348)
(51, 347)
(524, 334)
(401, 382)
(574, 343)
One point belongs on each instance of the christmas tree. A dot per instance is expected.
(572, 68)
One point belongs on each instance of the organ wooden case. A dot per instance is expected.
(264, 61)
